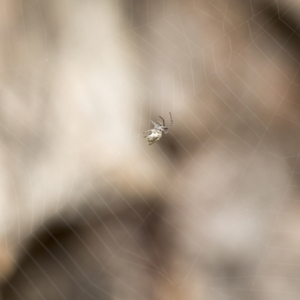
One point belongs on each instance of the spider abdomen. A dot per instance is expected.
(154, 136)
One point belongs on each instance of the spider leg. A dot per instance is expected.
(163, 120)
(171, 119)
(167, 129)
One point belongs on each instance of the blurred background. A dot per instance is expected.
(89, 210)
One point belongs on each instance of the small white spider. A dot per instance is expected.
(159, 129)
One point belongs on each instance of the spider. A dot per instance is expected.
(156, 133)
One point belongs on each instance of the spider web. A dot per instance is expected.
(89, 210)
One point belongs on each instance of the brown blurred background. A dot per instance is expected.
(89, 210)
